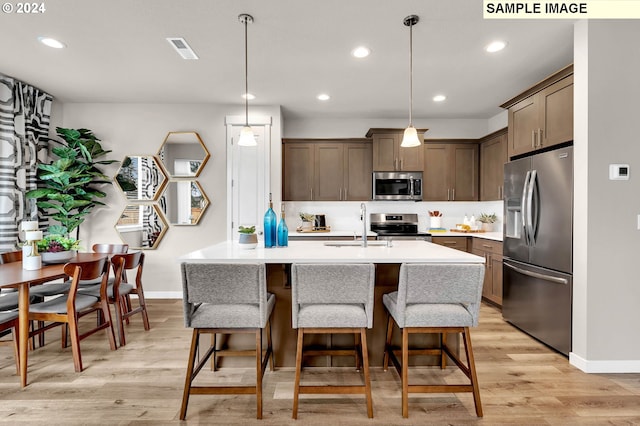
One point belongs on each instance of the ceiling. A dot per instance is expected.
(117, 52)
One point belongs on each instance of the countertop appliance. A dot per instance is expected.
(538, 250)
(397, 186)
(397, 226)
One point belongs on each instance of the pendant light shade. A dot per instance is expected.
(410, 138)
(246, 134)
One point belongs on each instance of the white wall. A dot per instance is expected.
(139, 129)
(607, 241)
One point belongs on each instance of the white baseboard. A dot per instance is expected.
(604, 366)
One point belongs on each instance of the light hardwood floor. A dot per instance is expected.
(521, 381)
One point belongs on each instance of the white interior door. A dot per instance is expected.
(248, 172)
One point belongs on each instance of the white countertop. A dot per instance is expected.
(495, 236)
(317, 252)
(336, 233)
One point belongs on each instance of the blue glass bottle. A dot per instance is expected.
(283, 231)
(270, 222)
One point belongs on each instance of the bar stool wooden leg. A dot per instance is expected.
(270, 346)
(443, 354)
(259, 374)
(296, 389)
(357, 350)
(387, 346)
(367, 378)
(472, 371)
(188, 379)
(405, 373)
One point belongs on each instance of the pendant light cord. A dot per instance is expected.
(411, 74)
(246, 74)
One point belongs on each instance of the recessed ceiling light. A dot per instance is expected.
(52, 42)
(360, 52)
(323, 97)
(495, 46)
(439, 98)
(248, 96)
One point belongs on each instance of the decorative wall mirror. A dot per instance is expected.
(142, 226)
(183, 154)
(140, 178)
(183, 202)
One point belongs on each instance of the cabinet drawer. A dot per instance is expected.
(491, 246)
(458, 243)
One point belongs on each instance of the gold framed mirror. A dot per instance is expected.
(140, 178)
(183, 154)
(183, 202)
(142, 226)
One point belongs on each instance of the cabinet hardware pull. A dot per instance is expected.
(401, 164)
(311, 194)
(449, 243)
(346, 198)
(533, 139)
(448, 190)
(340, 194)
(540, 138)
(453, 194)
(487, 246)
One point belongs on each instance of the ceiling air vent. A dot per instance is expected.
(182, 47)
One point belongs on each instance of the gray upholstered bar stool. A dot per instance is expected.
(226, 299)
(329, 299)
(435, 298)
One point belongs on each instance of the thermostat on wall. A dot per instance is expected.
(618, 172)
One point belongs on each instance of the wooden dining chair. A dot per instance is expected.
(68, 309)
(121, 287)
(9, 323)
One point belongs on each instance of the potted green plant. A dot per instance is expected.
(307, 220)
(68, 189)
(55, 248)
(247, 239)
(487, 221)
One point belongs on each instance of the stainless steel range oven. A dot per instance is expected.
(397, 226)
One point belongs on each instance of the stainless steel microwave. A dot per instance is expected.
(397, 186)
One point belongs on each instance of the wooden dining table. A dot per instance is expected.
(13, 276)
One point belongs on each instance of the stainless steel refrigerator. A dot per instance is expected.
(538, 251)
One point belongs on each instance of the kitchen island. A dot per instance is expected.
(278, 261)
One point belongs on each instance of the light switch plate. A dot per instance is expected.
(618, 172)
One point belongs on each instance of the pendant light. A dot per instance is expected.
(410, 137)
(246, 134)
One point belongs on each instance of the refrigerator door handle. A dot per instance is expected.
(533, 206)
(550, 278)
(523, 207)
(529, 211)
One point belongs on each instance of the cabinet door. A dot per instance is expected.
(523, 124)
(358, 172)
(496, 281)
(384, 152)
(328, 172)
(556, 119)
(493, 155)
(298, 171)
(410, 159)
(435, 178)
(464, 172)
(487, 285)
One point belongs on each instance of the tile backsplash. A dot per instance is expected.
(345, 215)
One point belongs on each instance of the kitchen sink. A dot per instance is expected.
(354, 243)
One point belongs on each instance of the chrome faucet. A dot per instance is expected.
(363, 217)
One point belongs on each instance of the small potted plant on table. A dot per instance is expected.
(248, 239)
(487, 221)
(56, 248)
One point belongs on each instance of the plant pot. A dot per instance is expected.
(307, 226)
(248, 241)
(57, 257)
(487, 227)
